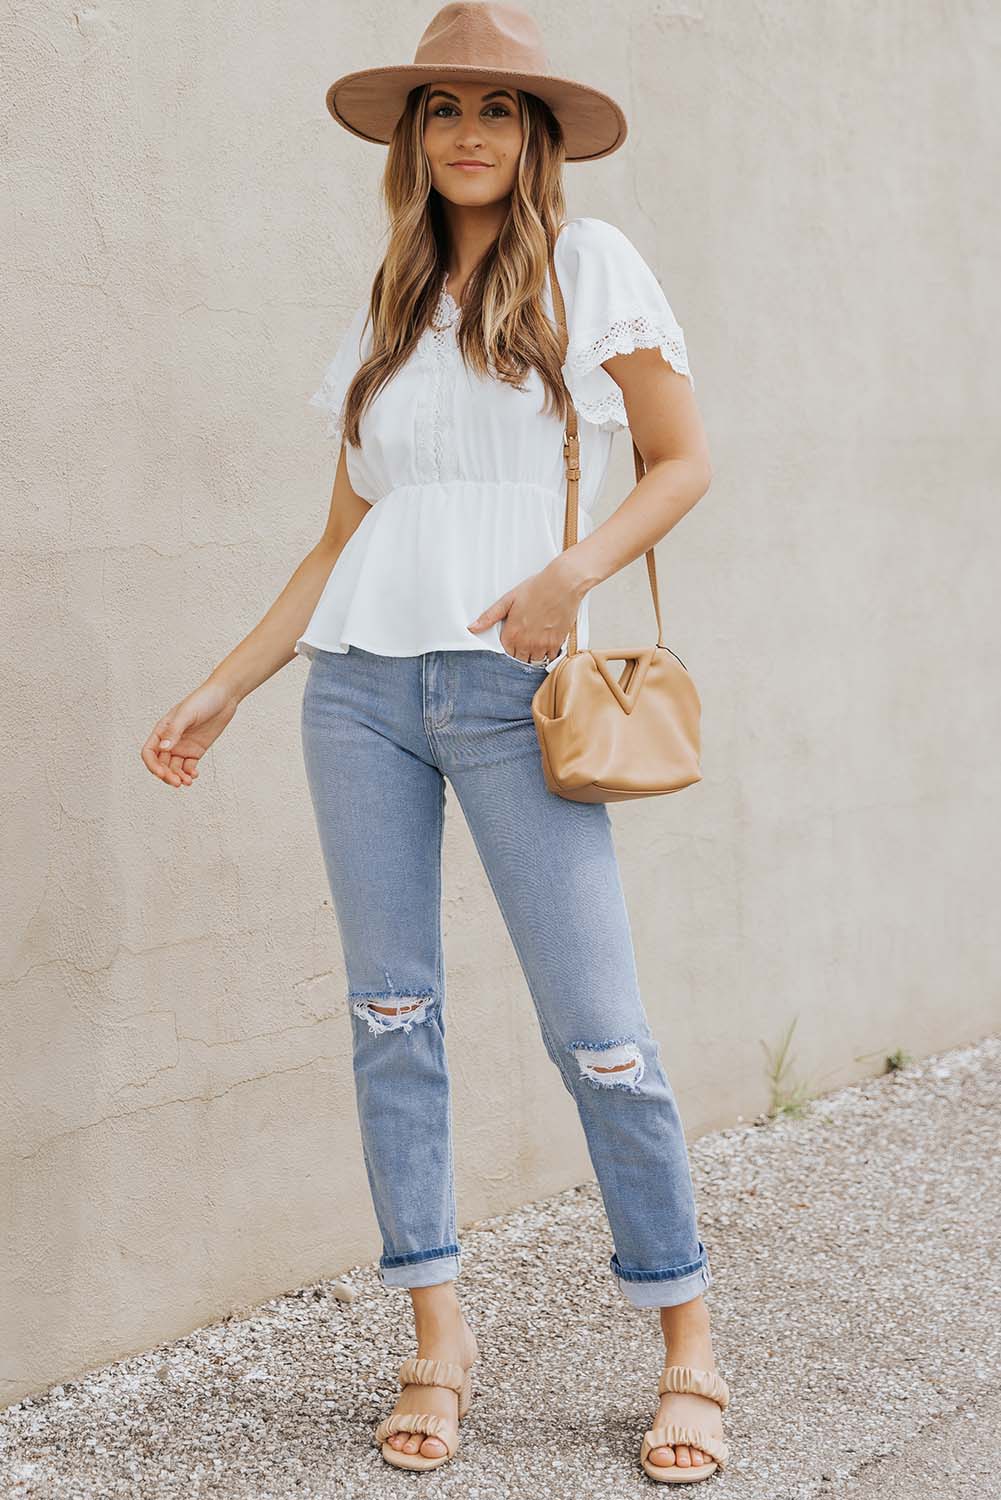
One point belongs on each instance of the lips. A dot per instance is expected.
(475, 166)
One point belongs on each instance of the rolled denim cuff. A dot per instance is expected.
(663, 1288)
(423, 1269)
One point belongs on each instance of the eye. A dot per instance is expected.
(437, 110)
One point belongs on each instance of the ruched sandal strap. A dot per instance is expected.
(426, 1422)
(687, 1378)
(670, 1433)
(446, 1372)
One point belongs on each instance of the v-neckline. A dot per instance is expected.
(448, 304)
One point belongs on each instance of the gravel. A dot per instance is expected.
(856, 1313)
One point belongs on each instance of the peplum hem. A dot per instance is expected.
(426, 559)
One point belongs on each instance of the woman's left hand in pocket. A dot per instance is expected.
(539, 612)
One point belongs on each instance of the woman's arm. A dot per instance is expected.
(271, 643)
(667, 428)
(177, 741)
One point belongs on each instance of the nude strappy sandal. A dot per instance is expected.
(699, 1383)
(414, 1371)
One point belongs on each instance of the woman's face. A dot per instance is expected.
(472, 122)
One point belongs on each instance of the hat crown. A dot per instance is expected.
(471, 33)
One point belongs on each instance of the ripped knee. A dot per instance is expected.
(617, 1064)
(392, 1011)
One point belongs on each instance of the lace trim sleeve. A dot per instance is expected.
(615, 305)
(332, 391)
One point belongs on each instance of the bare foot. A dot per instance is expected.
(688, 1342)
(442, 1333)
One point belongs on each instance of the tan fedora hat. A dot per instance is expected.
(468, 40)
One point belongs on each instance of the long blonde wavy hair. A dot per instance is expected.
(503, 331)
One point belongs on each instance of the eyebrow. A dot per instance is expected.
(494, 94)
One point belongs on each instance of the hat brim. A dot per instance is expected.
(370, 101)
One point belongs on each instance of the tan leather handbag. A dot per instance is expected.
(607, 736)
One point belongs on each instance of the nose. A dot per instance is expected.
(469, 139)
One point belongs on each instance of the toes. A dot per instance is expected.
(689, 1457)
(682, 1454)
(662, 1456)
(416, 1442)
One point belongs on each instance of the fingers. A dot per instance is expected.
(157, 765)
(162, 760)
(184, 766)
(533, 653)
(490, 616)
(173, 770)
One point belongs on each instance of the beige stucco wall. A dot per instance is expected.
(187, 231)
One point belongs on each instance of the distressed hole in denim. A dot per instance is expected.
(617, 1064)
(392, 1012)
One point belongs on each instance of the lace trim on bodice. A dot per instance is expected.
(435, 455)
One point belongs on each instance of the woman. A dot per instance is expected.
(431, 609)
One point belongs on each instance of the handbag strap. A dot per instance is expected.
(571, 463)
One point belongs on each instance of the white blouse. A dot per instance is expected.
(465, 474)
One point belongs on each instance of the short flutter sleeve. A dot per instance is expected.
(614, 304)
(353, 350)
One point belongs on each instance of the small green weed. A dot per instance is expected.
(786, 1098)
(897, 1060)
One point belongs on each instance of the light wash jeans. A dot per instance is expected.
(380, 734)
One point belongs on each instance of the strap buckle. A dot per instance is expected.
(571, 454)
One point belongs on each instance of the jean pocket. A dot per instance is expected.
(535, 669)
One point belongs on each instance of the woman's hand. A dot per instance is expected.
(178, 741)
(540, 612)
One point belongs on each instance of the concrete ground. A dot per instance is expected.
(856, 1317)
